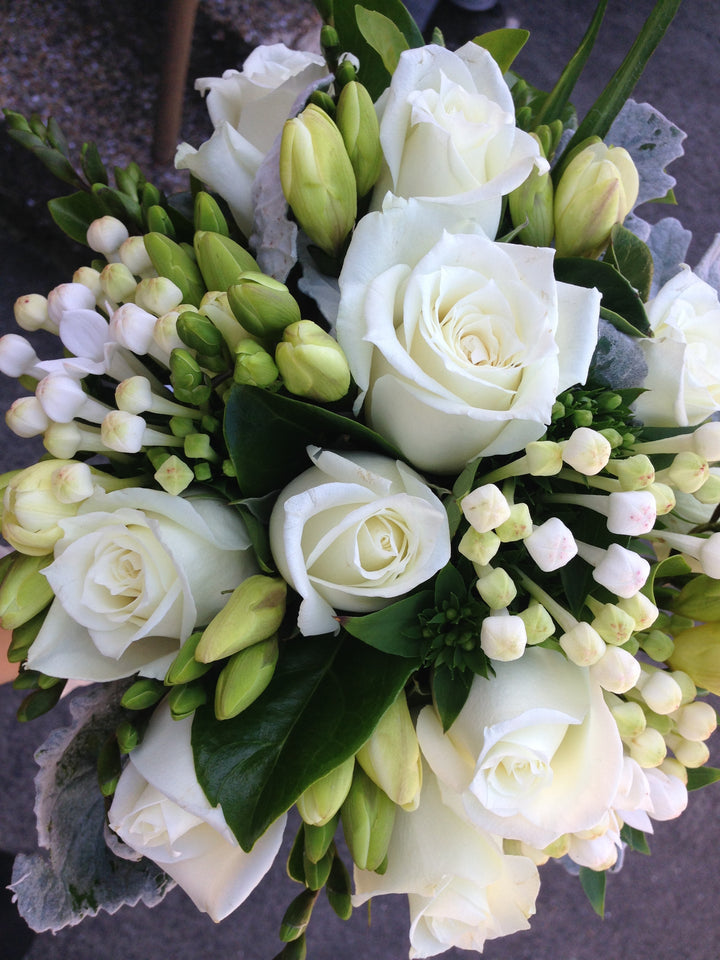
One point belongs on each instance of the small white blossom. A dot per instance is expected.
(586, 451)
(485, 508)
(105, 235)
(503, 637)
(551, 545)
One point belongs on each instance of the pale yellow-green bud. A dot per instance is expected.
(697, 653)
(158, 295)
(641, 609)
(31, 313)
(613, 624)
(696, 720)
(105, 235)
(539, 624)
(673, 768)
(262, 305)
(686, 684)
(317, 178)
(24, 591)
(253, 613)
(658, 645)
(391, 757)
(185, 668)
(544, 458)
(633, 473)
(118, 283)
(244, 677)
(709, 492)
(497, 588)
(664, 498)
(368, 816)
(597, 189)
(322, 800)
(648, 748)
(479, 547)
(532, 201)
(215, 306)
(133, 254)
(688, 472)
(582, 644)
(357, 121)
(690, 753)
(254, 365)
(221, 260)
(312, 363)
(518, 525)
(90, 277)
(629, 717)
(659, 690)
(174, 475)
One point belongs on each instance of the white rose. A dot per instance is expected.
(160, 810)
(683, 358)
(354, 532)
(448, 134)
(462, 889)
(135, 572)
(247, 110)
(534, 753)
(459, 345)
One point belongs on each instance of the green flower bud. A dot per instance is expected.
(215, 306)
(184, 699)
(158, 221)
(174, 475)
(532, 201)
(244, 677)
(539, 624)
(697, 653)
(479, 547)
(144, 693)
(345, 73)
(197, 447)
(368, 816)
(173, 261)
(323, 100)
(129, 734)
(40, 701)
(629, 717)
(318, 839)
(200, 334)
(391, 757)
(254, 365)
(312, 363)
(294, 950)
(207, 215)
(263, 306)
(187, 379)
(658, 645)
(24, 591)
(614, 625)
(185, 667)
(322, 800)
(317, 178)
(497, 588)
(338, 889)
(23, 636)
(297, 916)
(597, 189)
(221, 260)
(253, 613)
(317, 872)
(358, 123)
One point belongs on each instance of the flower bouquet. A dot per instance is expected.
(379, 484)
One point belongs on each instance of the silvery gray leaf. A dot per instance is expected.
(709, 267)
(323, 289)
(668, 241)
(618, 361)
(652, 141)
(78, 875)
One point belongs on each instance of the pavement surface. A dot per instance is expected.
(94, 66)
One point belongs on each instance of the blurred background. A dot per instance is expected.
(95, 67)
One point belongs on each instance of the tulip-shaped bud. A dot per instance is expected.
(174, 475)
(144, 693)
(134, 256)
(551, 545)
(185, 668)
(629, 717)
(317, 178)
(244, 677)
(688, 472)
(357, 121)
(597, 189)
(263, 306)
(207, 215)
(496, 587)
(391, 757)
(583, 645)
(254, 365)
(696, 720)
(253, 613)
(538, 623)
(187, 379)
(24, 591)
(518, 525)
(368, 816)
(616, 671)
(31, 313)
(158, 295)
(222, 261)
(322, 800)
(586, 451)
(659, 690)
(485, 508)
(174, 262)
(641, 609)
(613, 624)
(201, 335)
(26, 417)
(68, 296)
(105, 235)
(185, 698)
(622, 571)
(697, 653)
(531, 204)
(117, 283)
(648, 748)
(317, 839)
(312, 363)
(479, 547)
(503, 637)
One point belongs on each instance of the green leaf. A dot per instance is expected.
(93, 167)
(56, 138)
(450, 691)
(382, 35)
(593, 883)
(699, 599)
(119, 205)
(618, 296)
(631, 257)
(373, 72)
(58, 165)
(503, 45)
(674, 566)
(558, 98)
(702, 777)
(324, 701)
(448, 583)
(388, 629)
(75, 213)
(601, 115)
(635, 839)
(253, 415)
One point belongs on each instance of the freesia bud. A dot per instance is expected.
(368, 816)
(262, 305)
(253, 613)
(133, 254)
(24, 591)
(312, 363)
(517, 526)
(532, 204)
(222, 261)
(207, 215)
(254, 365)
(158, 295)
(696, 720)
(391, 757)
(551, 545)
(317, 178)
(485, 508)
(538, 623)
(582, 644)
(648, 748)
(26, 417)
(244, 677)
(586, 451)
(616, 671)
(31, 313)
(187, 379)
(105, 235)
(322, 800)
(117, 283)
(597, 189)
(174, 262)
(201, 335)
(503, 637)
(496, 588)
(357, 121)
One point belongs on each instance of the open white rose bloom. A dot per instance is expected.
(393, 513)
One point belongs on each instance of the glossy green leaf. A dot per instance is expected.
(618, 295)
(253, 415)
(450, 691)
(93, 167)
(58, 165)
(673, 566)
(306, 722)
(390, 629)
(699, 599)
(74, 214)
(56, 138)
(631, 257)
(702, 777)
(120, 205)
(594, 883)
(382, 35)
(503, 45)
(635, 839)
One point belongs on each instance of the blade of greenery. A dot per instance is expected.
(618, 295)
(594, 883)
(600, 116)
(56, 138)
(503, 45)
(75, 213)
(389, 629)
(635, 839)
(631, 257)
(252, 415)
(93, 167)
(382, 35)
(120, 205)
(461, 488)
(306, 722)
(450, 691)
(702, 777)
(259, 538)
(559, 96)
(674, 566)
(58, 165)
(699, 599)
